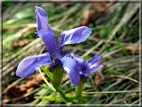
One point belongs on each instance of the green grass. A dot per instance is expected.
(119, 61)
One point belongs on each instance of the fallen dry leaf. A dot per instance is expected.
(17, 91)
(98, 8)
(20, 43)
(132, 48)
(88, 16)
(101, 7)
(59, 3)
(99, 76)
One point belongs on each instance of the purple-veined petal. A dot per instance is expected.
(29, 65)
(42, 21)
(81, 61)
(45, 32)
(96, 68)
(71, 67)
(75, 35)
(93, 62)
(51, 45)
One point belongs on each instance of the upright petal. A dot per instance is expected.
(96, 68)
(93, 62)
(51, 44)
(29, 65)
(75, 35)
(45, 31)
(70, 65)
(81, 62)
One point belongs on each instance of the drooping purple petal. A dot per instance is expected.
(45, 31)
(93, 62)
(81, 62)
(96, 68)
(75, 35)
(70, 65)
(29, 65)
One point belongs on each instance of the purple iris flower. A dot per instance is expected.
(85, 70)
(29, 65)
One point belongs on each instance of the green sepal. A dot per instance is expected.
(57, 76)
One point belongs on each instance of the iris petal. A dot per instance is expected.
(51, 44)
(70, 65)
(93, 62)
(75, 35)
(96, 68)
(45, 31)
(81, 62)
(42, 21)
(29, 65)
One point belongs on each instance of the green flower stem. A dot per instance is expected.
(55, 79)
(79, 89)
